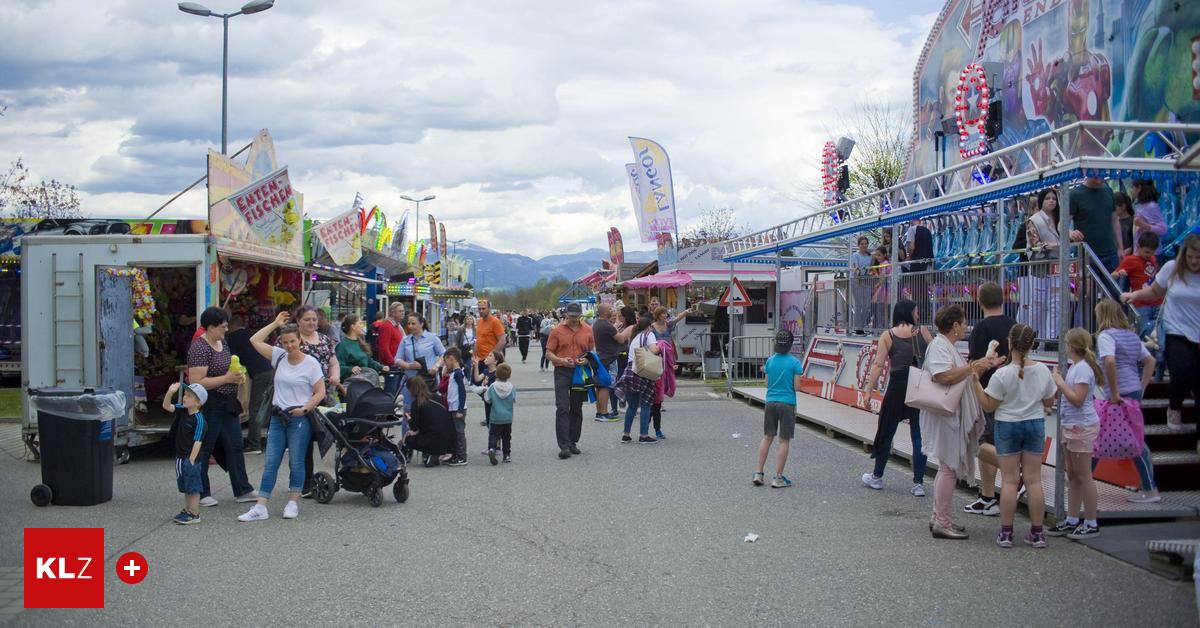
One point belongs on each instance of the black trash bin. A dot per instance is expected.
(76, 428)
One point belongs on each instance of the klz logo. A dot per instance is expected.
(64, 567)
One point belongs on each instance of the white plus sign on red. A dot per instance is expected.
(132, 568)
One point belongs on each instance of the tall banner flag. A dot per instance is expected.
(643, 221)
(400, 233)
(341, 238)
(616, 248)
(421, 256)
(433, 244)
(269, 207)
(655, 188)
(442, 235)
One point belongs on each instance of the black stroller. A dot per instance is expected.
(366, 460)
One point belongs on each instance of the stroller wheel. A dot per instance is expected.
(375, 497)
(400, 491)
(323, 487)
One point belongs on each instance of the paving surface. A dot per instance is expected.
(624, 534)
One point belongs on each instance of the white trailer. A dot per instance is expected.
(78, 320)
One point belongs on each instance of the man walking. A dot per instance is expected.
(607, 347)
(567, 348)
(489, 333)
(524, 331)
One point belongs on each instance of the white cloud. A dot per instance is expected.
(515, 114)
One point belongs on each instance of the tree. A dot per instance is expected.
(20, 197)
(542, 296)
(716, 224)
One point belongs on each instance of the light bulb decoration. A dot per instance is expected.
(972, 132)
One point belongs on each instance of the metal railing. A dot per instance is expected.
(747, 355)
(1047, 158)
(717, 342)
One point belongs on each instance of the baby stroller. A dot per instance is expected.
(366, 460)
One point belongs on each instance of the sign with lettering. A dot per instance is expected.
(341, 238)
(269, 207)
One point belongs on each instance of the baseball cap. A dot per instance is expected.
(783, 341)
(574, 308)
(200, 393)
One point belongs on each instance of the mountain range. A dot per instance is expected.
(506, 271)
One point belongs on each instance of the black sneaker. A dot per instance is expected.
(431, 461)
(647, 440)
(1062, 528)
(563, 454)
(456, 462)
(492, 456)
(507, 458)
(985, 507)
(575, 450)
(1084, 531)
(308, 493)
(626, 438)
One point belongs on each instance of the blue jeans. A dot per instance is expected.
(1027, 436)
(636, 403)
(919, 459)
(294, 437)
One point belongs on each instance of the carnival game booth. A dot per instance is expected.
(982, 195)
(120, 311)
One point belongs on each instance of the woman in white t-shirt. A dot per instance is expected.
(1179, 282)
(299, 389)
(1081, 426)
(1020, 394)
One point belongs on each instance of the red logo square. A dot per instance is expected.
(64, 567)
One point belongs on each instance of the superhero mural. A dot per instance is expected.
(1057, 62)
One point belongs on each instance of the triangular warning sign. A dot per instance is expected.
(735, 294)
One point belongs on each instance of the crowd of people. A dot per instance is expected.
(295, 366)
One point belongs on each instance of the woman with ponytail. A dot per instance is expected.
(1081, 426)
(353, 352)
(1020, 393)
(1120, 351)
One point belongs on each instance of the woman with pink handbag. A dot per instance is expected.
(1121, 351)
(951, 438)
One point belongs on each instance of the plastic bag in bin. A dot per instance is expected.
(79, 404)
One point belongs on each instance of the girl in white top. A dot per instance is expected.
(1020, 394)
(1081, 426)
(1179, 282)
(299, 389)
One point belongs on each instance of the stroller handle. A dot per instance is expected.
(373, 423)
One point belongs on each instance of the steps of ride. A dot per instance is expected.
(860, 425)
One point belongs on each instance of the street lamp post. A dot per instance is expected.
(417, 224)
(250, 8)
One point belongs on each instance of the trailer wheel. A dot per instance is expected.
(123, 455)
(41, 495)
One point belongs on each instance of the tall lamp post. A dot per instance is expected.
(417, 224)
(250, 8)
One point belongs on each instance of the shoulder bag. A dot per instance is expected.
(646, 364)
(923, 393)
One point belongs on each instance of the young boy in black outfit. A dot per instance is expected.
(190, 428)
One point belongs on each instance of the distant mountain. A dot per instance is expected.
(511, 270)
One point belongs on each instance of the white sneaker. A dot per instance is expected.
(209, 501)
(870, 481)
(918, 490)
(1175, 420)
(291, 510)
(1144, 497)
(256, 513)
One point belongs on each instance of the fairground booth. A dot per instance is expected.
(1110, 91)
(116, 302)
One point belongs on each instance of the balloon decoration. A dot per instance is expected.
(973, 79)
(831, 165)
(143, 300)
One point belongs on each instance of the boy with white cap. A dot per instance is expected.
(190, 428)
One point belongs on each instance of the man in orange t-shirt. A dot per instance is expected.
(489, 333)
(569, 343)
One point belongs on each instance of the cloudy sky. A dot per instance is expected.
(515, 114)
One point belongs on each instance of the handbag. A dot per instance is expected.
(646, 364)
(923, 393)
(1122, 430)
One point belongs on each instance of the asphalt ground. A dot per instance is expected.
(621, 535)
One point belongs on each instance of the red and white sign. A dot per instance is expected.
(132, 568)
(735, 294)
(342, 238)
(64, 567)
(269, 207)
